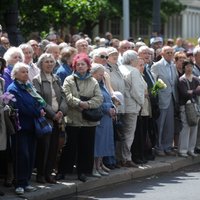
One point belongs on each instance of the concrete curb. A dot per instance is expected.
(73, 187)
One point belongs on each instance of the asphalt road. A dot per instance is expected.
(183, 184)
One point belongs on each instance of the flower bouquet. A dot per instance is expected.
(11, 114)
(159, 84)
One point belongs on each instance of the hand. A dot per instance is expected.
(84, 105)
(58, 116)
(190, 91)
(112, 112)
(42, 113)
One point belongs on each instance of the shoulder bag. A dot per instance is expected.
(192, 110)
(92, 114)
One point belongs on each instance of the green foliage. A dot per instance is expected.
(81, 15)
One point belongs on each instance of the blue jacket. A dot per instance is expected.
(63, 71)
(28, 107)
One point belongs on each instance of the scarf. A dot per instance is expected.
(32, 91)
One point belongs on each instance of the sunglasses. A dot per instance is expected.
(103, 57)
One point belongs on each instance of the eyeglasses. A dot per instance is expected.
(103, 57)
(169, 52)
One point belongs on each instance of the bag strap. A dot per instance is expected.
(188, 85)
(75, 80)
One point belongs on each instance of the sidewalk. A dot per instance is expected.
(72, 186)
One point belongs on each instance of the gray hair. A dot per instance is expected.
(129, 56)
(96, 67)
(26, 46)
(12, 50)
(50, 46)
(196, 50)
(17, 67)
(43, 57)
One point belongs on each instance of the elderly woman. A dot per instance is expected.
(54, 49)
(79, 149)
(104, 137)
(49, 87)
(117, 83)
(30, 106)
(66, 56)
(189, 89)
(140, 138)
(12, 56)
(134, 100)
(28, 59)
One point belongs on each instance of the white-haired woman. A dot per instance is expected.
(33, 70)
(12, 56)
(104, 136)
(49, 86)
(29, 105)
(134, 100)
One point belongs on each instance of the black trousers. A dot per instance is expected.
(46, 154)
(79, 150)
(139, 143)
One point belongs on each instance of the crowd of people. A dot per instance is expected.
(60, 79)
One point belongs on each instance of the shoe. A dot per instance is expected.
(160, 153)
(197, 150)
(111, 167)
(82, 177)
(170, 153)
(2, 193)
(19, 191)
(103, 173)
(50, 179)
(139, 161)
(30, 188)
(8, 183)
(40, 179)
(129, 164)
(105, 168)
(192, 154)
(150, 157)
(60, 177)
(184, 155)
(95, 173)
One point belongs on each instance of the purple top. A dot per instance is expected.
(7, 76)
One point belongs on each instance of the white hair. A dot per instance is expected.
(17, 67)
(26, 46)
(12, 50)
(96, 52)
(196, 50)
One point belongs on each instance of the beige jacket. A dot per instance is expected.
(134, 91)
(89, 87)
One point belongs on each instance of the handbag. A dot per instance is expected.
(191, 114)
(92, 114)
(192, 110)
(42, 127)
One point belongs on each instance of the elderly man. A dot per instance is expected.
(82, 46)
(124, 45)
(165, 70)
